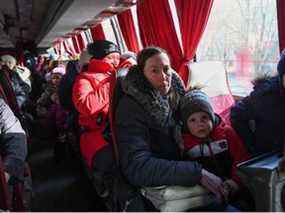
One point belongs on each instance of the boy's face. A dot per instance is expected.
(199, 124)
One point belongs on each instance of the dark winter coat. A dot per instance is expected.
(13, 146)
(260, 117)
(21, 89)
(145, 124)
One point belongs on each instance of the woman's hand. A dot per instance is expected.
(214, 184)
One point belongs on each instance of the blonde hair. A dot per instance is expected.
(5, 58)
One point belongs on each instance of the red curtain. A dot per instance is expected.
(193, 16)
(75, 44)
(69, 48)
(281, 23)
(80, 41)
(157, 28)
(127, 26)
(97, 32)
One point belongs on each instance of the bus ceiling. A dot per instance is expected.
(38, 23)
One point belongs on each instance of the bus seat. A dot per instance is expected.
(116, 95)
(17, 199)
(265, 182)
(4, 192)
(212, 77)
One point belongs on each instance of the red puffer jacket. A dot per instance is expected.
(91, 99)
(220, 154)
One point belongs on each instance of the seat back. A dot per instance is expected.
(5, 203)
(116, 93)
(212, 76)
(14, 200)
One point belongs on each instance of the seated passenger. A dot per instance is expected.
(16, 78)
(13, 145)
(259, 118)
(90, 96)
(47, 97)
(128, 59)
(23, 72)
(212, 143)
(145, 123)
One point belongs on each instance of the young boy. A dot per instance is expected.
(209, 141)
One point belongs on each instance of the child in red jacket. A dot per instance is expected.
(208, 140)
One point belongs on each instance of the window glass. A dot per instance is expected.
(243, 35)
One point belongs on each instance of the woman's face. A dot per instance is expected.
(158, 72)
(113, 59)
(10, 64)
(55, 79)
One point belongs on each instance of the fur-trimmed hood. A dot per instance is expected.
(158, 106)
(267, 85)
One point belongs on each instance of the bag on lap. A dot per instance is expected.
(178, 198)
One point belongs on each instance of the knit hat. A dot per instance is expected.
(58, 70)
(281, 64)
(195, 101)
(101, 48)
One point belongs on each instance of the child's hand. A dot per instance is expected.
(230, 188)
(41, 111)
(62, 138)
(54, 97)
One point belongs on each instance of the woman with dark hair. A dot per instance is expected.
(146, 127)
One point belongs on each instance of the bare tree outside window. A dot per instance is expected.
(243, 34)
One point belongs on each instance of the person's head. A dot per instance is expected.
(106, 51)
(56, 75)
(155, 65)
(128, 59)
(281, 68)
(197, 114)
(84, 58)
(9, 61)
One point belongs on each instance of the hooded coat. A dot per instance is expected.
(13, 145)
(259, 118)
(91, 99)
(145, 126)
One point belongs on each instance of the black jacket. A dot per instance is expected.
(13, 146)
(259, 118)
(149, 152)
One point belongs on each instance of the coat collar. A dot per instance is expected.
(99, 66)
(159, 107)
